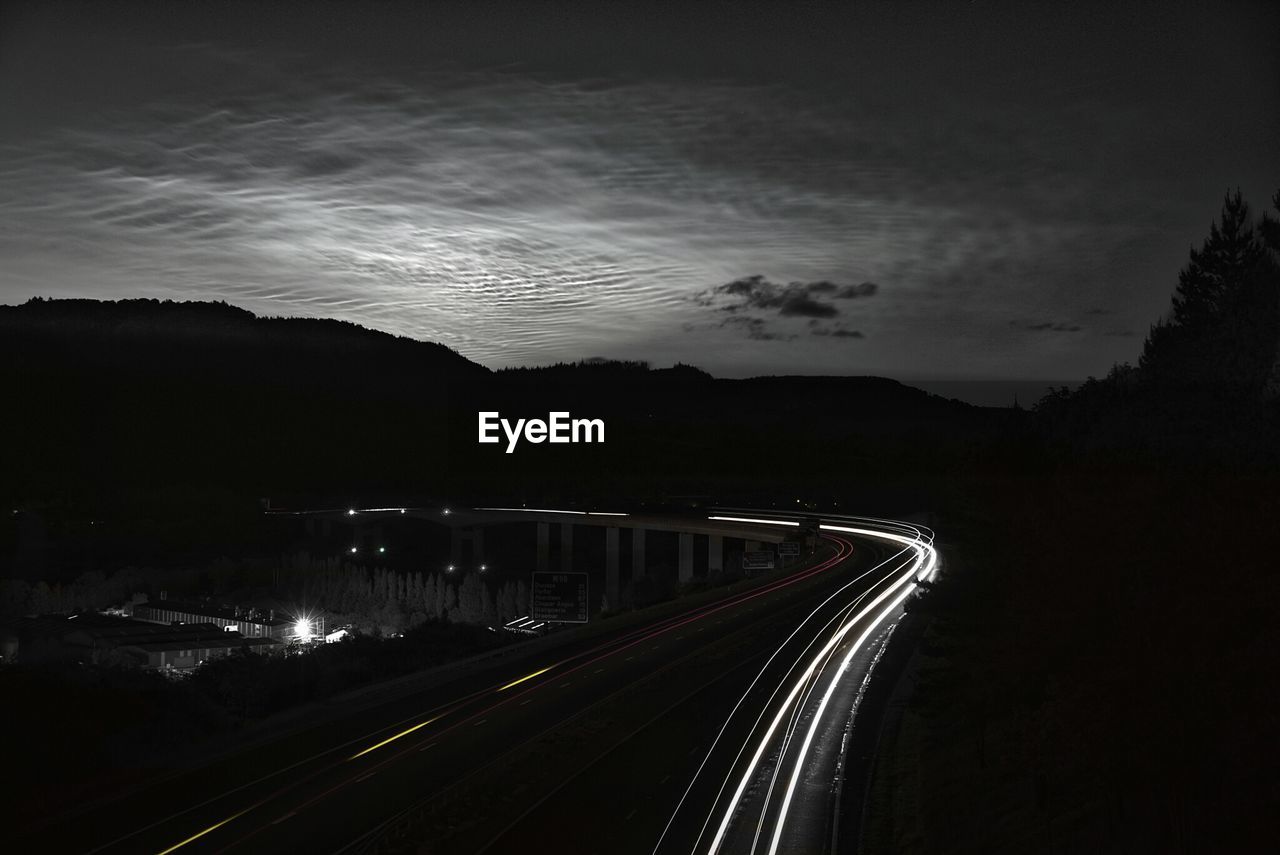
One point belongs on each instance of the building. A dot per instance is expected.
(106, 640)
(250, 623)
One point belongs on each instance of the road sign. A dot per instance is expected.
(762, 560)
(559, 597)
(789, 548)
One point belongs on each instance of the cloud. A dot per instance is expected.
(795, 299)
(1045, 326)
(756, 328)
(837, 332)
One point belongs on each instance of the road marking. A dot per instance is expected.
(480, 722)
(664, 780)
(628, 659)
(599, 671)
(633, 813)
(562, 685)
(525, 701)
(283, 818)
(425, 747)
(366, 776)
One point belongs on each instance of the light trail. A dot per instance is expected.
(175, 847)
(759, 675)
(534, 511)
(402, 733)
(802, 687)
(754, 520)
(609, 648)
(526, 677)
(780, 822)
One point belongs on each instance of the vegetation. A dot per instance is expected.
(1092, 675)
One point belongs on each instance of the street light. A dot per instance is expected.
(449, 569)
(484, 567)
(354, 549)
(382, 549)
(351, 512)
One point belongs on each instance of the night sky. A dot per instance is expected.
(976, 191)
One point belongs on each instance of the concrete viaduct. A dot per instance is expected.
(467, 526)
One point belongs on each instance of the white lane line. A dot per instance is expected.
(480, 722)
(425, 747)
(283, 818)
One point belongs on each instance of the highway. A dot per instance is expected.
(714, 727)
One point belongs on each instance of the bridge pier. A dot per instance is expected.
(566, 547)
(544, 547)
(686, 556)
(612, 585)
(637, 554)
(715, 554)
(459, 536)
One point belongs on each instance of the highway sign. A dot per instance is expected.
(559, 597)
(762, 560)
(789, 548)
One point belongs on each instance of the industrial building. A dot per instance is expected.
(106, 640)
(250, 623)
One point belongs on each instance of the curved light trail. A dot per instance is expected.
(767, 813)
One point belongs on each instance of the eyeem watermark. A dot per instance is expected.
(558, 427)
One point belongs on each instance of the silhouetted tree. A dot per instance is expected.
(1221, 333)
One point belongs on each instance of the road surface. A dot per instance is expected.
(716, 728)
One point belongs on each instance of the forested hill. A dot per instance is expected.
(154, 338)
(141, 397)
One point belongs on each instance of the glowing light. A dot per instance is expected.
(354, 550)
(391, 739)
(198, 835)
(526, 677)
(922, 566)
(537, 511)
(755, 520)
(351, 512)
(382, 549)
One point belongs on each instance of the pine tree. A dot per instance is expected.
(1219, 267)
(1221, 335)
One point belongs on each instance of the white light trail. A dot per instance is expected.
(755, 520)
(534, 511)
(923, 566)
